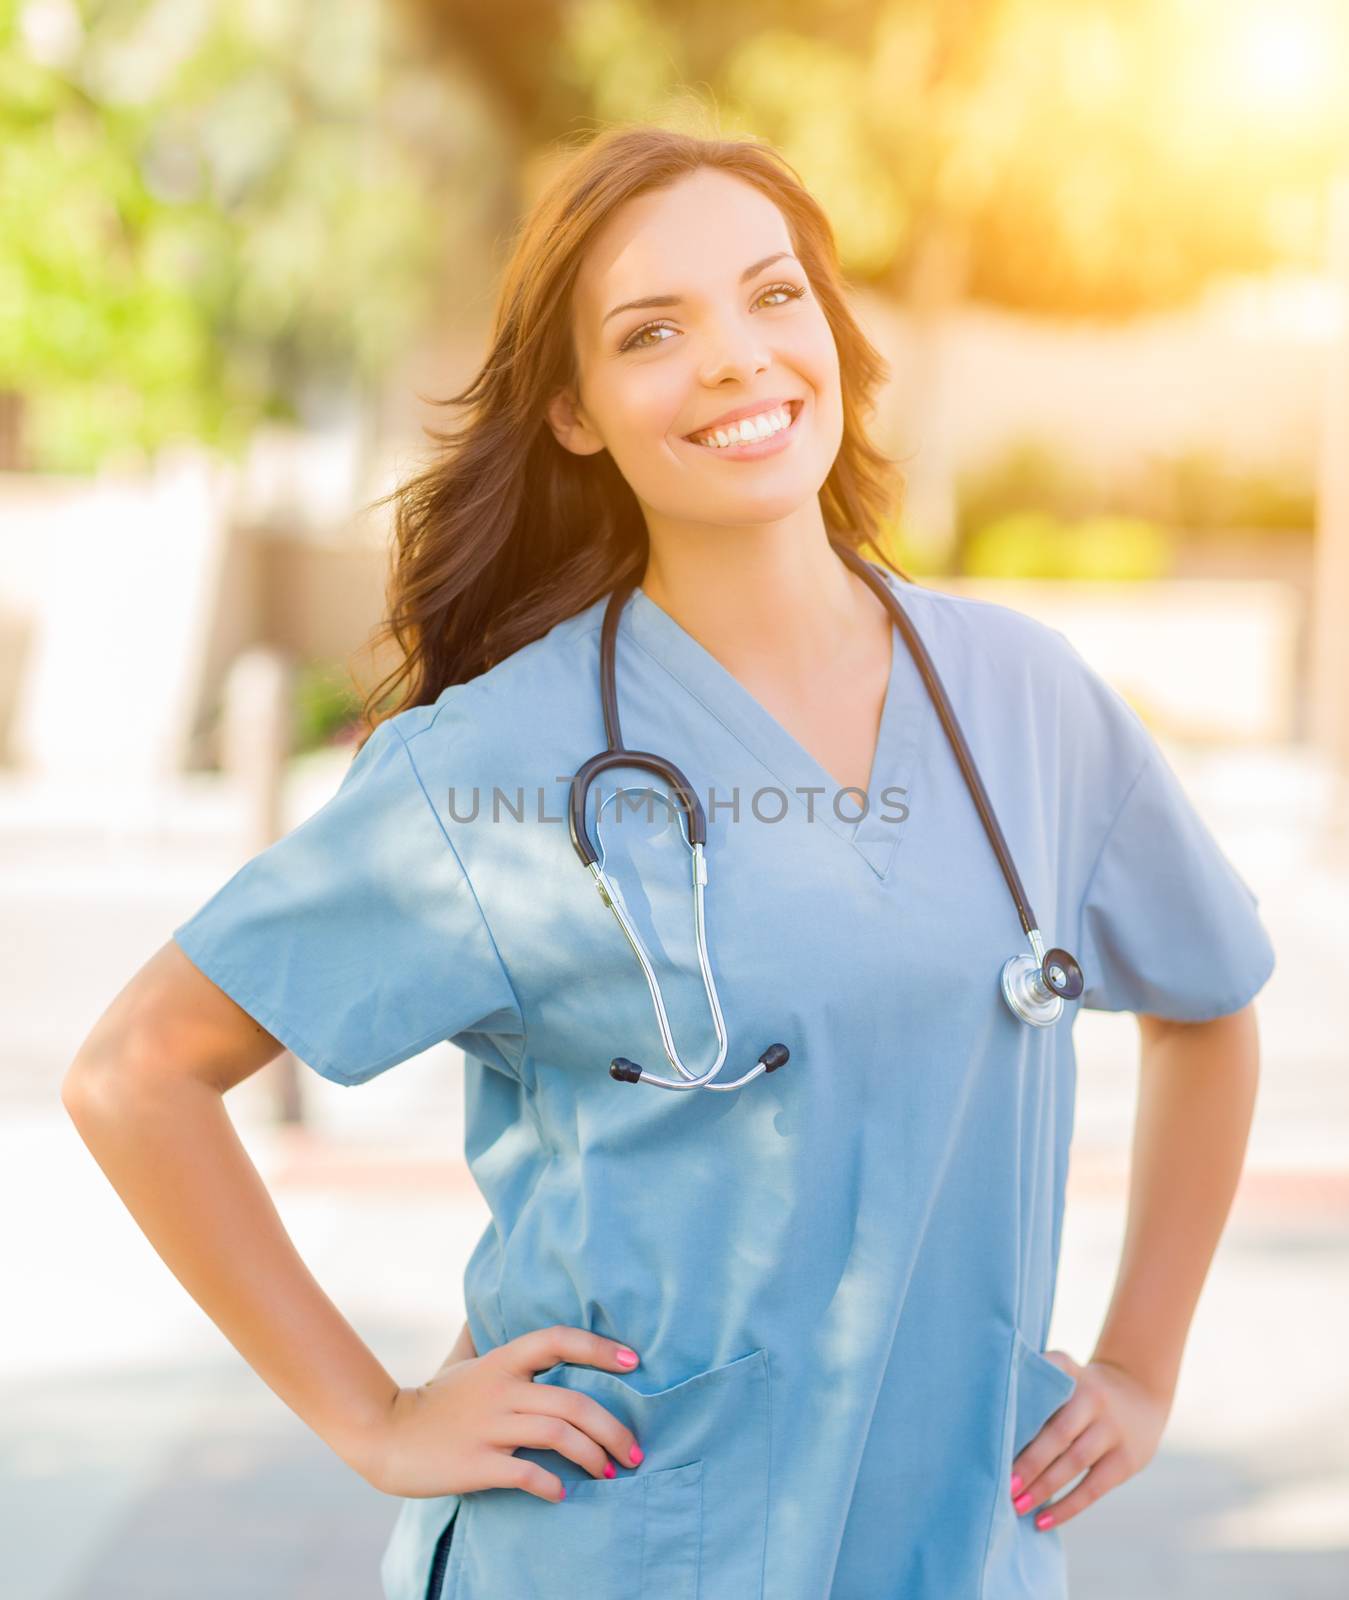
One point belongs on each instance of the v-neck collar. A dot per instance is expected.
(903, 719)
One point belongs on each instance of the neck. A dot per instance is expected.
(763, 597)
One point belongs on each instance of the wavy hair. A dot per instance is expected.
(506, 533)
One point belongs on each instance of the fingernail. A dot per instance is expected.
(1017, 1484)
(1046, 1520)
(609, 1469)
(627, 1358)
(1023, 1504)
(636, 1456)
(563, 1495)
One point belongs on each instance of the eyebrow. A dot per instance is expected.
(674, 299)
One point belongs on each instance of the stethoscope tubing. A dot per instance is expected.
(1033, 985)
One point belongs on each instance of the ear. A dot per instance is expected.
(570, 425)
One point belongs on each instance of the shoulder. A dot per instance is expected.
(1002, 635)
(537, 690)
(1035, 674)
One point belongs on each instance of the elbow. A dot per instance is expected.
(110, 1076)
(93, 1083)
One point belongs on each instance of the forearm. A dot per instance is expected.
(1196, 1097)
(464, 1349)
(175, 1158)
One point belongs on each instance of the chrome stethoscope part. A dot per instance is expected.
(1034, 985)
(620, 1068)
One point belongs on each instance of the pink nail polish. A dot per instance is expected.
(563, 1495)
(1023, 1503)
(626, 1357)
(609, 1469)
(1045, 1520)
(636, 1455)
(1017, 1484)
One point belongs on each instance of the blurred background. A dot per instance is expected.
(1104, 245)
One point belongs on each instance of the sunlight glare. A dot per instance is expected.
(1284, 55)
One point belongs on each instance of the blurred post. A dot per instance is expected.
(1330, 588)
(934, 291)
(255, 741)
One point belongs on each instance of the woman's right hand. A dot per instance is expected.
(455, 1433)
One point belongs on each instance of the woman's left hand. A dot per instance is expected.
(1109, 1428)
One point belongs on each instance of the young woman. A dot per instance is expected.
(838, 1276)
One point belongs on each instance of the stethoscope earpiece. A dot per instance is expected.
(621, 1070)
(1034, 985)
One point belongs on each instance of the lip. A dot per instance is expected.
(751, 410)
(753, 449)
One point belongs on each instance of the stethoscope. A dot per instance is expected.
(1034, 984)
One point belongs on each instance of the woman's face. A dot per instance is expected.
(652, 375)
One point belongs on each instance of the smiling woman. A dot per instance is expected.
(838, 1276)
(579, 423)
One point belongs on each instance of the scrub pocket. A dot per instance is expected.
(1025, 1562)
(690, 1523)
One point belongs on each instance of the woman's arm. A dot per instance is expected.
(463, 1347)
(1196, 1099)
(146, 1094)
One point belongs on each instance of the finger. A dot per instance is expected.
(1108, 1471)
(512, 1472)
(542, 1432)
(585, 1414)
(1080, 1455)
(544, 1347)
(1072, 1417)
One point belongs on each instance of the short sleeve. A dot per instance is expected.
(357, 939)
(1168, 927)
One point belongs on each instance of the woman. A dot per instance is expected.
(837, 1278)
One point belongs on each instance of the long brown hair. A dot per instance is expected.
(507, 533)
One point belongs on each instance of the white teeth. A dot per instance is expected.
(747, 429)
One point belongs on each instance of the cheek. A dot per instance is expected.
(636, 420)
(824, 379)
(819, 365)
(650, 407)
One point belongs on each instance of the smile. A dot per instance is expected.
(751, 436)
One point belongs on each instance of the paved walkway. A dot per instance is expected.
(140, 1457)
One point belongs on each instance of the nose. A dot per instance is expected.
(737, 354)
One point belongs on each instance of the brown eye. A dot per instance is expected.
(787, 289)
(793, 291)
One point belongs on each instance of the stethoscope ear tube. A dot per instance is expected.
(682, 789)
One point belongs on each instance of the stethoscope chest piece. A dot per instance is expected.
(1035, 989)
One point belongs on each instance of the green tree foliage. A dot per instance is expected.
(1080, 157)
(207, 209)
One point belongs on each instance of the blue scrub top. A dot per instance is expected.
(839, 1277)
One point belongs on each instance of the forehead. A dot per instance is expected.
(697, 235)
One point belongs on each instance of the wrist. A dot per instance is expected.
(1157, 1377)
(362, 1442)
